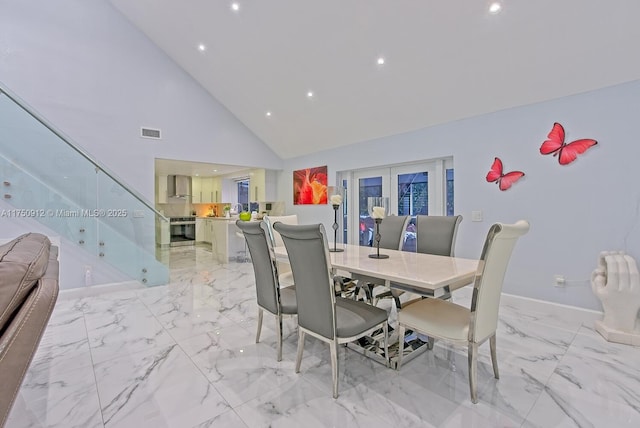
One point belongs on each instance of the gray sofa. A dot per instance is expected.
(28, 292)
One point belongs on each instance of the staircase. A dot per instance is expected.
(47, 178)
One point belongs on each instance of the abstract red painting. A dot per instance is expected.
(310, 186)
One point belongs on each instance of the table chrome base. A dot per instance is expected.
(372, 347)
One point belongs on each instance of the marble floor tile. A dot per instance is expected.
(564, 405)
(160, 387)
(118, 331)
(242, 373)
(300, 403)
(228, 419)
(64, 345)
(519, 345)
(184, 355)
(53, 398)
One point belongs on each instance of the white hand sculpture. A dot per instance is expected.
(616, 283)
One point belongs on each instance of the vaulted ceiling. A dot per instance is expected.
(443, 60)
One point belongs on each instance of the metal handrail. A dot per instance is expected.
(59, 134)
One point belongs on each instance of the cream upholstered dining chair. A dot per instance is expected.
(275, 237)
(321, 314)
(446, 320)
(435, 235)
(392, 231)
(269, 295)
(286, 278)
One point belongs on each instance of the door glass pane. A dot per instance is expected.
(450, 191)
(368, 187)
(413, 196)
(413, 199)
(345, 207)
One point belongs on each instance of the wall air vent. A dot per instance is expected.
(150, 133)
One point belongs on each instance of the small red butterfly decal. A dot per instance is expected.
(566, 153)
(504, 181)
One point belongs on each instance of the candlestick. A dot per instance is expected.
(378, 208)
(335, 198)
(377, 255)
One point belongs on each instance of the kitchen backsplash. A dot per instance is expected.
(175, 209)
(186, 208)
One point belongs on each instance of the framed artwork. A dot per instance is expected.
(310, 186)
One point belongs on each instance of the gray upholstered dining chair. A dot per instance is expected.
(392, 231)
(435, 235)
(446, 320)
(321, 314)
(270, 297)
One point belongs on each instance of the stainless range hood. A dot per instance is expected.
(178, 186)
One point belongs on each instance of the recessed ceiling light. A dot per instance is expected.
(202, 47)
(197, 175)
(268, 114)
(235, 7)
(380, 61)
(310, 94)
(495, 8)
(215, 170)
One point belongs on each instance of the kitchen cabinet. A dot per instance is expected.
(204, 230)
(162, 233)
(196, 190)
(200, 225)
(262, 185)
(207, 190)
(216, 189)
(161, 189)
(202, 190)
(208, 231)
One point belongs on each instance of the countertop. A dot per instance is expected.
(224, 218)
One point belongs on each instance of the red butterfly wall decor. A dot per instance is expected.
(504, 181)
(566, 153)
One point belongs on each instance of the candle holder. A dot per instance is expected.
(377, 255)
(335, 195)
(378, 208)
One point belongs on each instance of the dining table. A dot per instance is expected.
(426, 275)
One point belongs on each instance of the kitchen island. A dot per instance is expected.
(223, 235)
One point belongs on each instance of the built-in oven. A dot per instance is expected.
(182, 231)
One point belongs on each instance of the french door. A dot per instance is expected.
(412, 189)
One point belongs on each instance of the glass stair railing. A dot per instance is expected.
(45, 177)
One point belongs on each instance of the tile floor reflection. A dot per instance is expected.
(184, 355)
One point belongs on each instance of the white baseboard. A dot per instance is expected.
(94, 290)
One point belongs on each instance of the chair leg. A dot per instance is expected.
(473, 371)
(334, 366)
(300, 349)
(279, 332)
(400, 346)
(385, 328)
(260, 315)
(430, 342)
(396, 300)
(494, 359)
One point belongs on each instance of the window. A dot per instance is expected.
(449, 191)
(243, 194)
(421, 188)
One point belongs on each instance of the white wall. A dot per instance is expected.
(575, 211)
(83, 67)
(98, 79)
